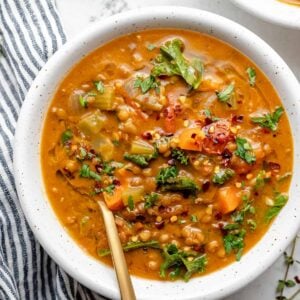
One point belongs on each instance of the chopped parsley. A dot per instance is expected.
(260, 180)
(226, 94)
(239, 215)
(140, 159)
(194, 218)
(66, 136)
(86, 172)
(269, 121)
(83, 101)
(150, 200)
(223, 175)
(99, 86)
(145, 84)
(279, 202)
(172, 62)
(252, 224)
(151, 47)
(132, 246)
(244, 150)
(184, 185)
(234, 241)
(180, 156)
(108, 169)
(109, 189)
(130, 203)
(251, 75)
(165, 174)
(178, 259)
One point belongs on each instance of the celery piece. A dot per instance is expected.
(92, 123)
(103, 145)
(141, 147)
(133, 192)
(105, 100)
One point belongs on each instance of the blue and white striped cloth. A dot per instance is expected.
(31, 32)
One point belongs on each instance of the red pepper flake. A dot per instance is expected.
(205, 186)
(147, 135)
(193, 136)
(237, 119)
(159, 225)
(297, 279)
(218, 216)
(273, 166)
(199, 248)
(116, 182)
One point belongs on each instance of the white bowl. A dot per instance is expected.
(272, 11)
(39, 213)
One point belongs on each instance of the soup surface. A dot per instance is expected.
(185, 140)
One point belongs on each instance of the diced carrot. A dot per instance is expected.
(228, 199)
(191, 139)
(114, 201)
(169, 119)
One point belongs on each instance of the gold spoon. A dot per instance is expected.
(117, 254)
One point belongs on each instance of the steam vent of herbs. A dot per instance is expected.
(185, 140)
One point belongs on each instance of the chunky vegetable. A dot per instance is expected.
(228, 199)
(172, 62)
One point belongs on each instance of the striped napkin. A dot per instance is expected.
(30, 33)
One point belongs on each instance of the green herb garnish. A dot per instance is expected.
(83, 101)
(109, 189)
(269, 121)
(180, 156)
(165, 174)
(223, 175)
(226, 94)
(172, 62)
(181, 184)
(194, 218)
(132, 246)
(130, 203)
(239, 215)
(99, 86)
(145, 84)
(244, 150)
(66, 136)
(234, 241)
(252, 224)
(150, 47)
(86, 172)
(140, 159)
(279, 202)
(251, 75)
(175, 258)
(150, 200)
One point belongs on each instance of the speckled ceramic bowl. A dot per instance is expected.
(31, 191)
(272, 11)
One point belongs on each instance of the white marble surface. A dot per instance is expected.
(79, 14)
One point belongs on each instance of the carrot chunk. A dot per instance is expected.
(228, 199)
(114, 201)
(191, 139)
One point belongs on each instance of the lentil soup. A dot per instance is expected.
(181, 135)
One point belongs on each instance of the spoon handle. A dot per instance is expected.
(125, 284)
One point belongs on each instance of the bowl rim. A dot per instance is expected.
(270, 14)
(27, 128)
